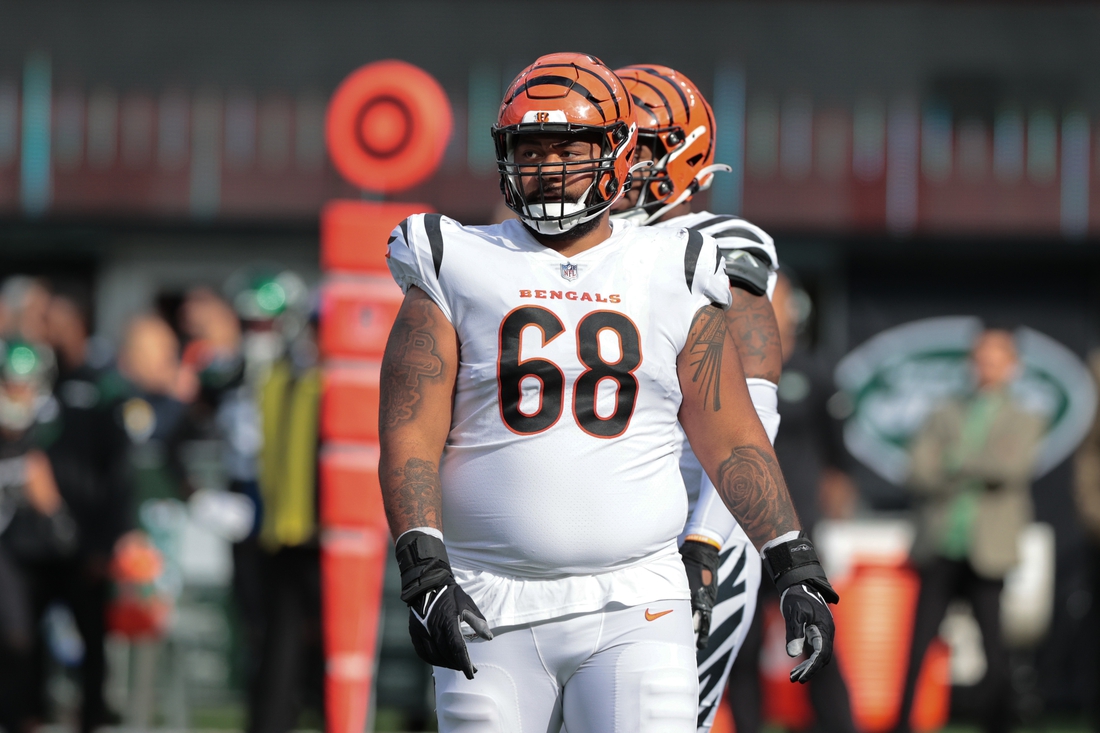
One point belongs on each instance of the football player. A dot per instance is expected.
(530, 392)
(676, 135)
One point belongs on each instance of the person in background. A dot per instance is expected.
(155, 413)
(35, 526)
(811, 453)
(291, 659)
(970, 472)
(25, 301)
(87, 449)
(227, 400)
(1086, 485)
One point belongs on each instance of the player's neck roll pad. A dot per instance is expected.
(424, 564)
(795, 561)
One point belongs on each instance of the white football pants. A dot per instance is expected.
(619, 670)
(739, 572)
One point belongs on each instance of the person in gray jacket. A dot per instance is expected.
(971, 467)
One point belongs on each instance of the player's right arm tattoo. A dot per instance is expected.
(706, 342)
(752, 324)
(752, 486)
(414, 498)
(410, 363)
(416, 386)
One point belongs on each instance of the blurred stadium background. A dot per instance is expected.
(913, 161)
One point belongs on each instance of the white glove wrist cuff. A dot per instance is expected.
(426, 530)
(792, 535)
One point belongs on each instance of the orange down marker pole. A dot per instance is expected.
(387, 128)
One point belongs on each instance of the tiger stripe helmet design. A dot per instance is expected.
(570, 94)
(677, 124)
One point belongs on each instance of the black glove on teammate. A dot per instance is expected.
(698, 557)
(804, 597)
(436, 604)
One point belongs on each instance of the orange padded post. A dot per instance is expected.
(387, 128)
(349, 403)
(356, 316)
(352, 496)
(354, 234)
(352, 561)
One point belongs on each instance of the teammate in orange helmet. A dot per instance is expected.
(531, 393)
(676, 136)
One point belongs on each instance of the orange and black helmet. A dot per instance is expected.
(568, 94)
(677, 124)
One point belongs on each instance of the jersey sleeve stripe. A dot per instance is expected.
(435, 239)
(711, 222)
(691, 256)
(405, 232)
(738, 232)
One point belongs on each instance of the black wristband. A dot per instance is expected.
(701, 553)
(793, 562)
(424, 564)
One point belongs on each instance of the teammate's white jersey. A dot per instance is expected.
(740, 568)
(561, 485)
(732, 233)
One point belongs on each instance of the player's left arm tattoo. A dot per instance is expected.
(751, 321)
(706, 342)
(752, 486)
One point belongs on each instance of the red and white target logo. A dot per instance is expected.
(388, 126)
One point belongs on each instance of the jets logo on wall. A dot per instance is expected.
(897, 378)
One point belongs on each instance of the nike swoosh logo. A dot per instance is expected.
(654, 616)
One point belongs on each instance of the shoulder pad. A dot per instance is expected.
(732, 232)
(746, 272)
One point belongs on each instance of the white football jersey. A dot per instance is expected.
(712, 519)
(732, 233)
(560, 477)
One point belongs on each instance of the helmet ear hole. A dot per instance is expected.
(611, 186)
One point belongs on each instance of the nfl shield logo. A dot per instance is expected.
(569, 272)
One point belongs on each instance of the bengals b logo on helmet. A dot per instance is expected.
(570, 94)
(677, 124)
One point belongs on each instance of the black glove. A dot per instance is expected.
(808, 619)
(804, 597)
(437, 606)
(700, 556)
